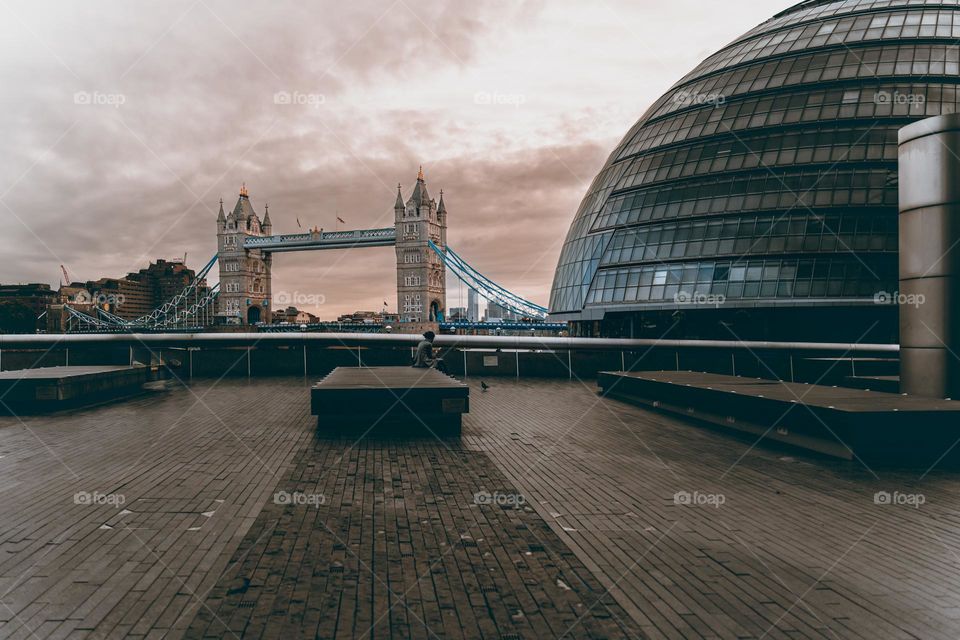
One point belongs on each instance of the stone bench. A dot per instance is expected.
(390, 400)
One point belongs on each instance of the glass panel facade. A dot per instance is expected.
(811, 278)
(769, 173)
(900, 101)
(752, 235)
(843, 23)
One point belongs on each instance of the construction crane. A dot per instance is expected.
(66, 276)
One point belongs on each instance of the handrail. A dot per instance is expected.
(400, 340)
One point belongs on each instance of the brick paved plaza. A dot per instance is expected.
(217, 511)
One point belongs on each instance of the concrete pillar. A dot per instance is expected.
(929, 297)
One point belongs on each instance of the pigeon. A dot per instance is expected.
(241, 589)
(484, 386)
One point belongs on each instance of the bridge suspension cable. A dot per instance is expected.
(82, 320)
(486, 287)
(180, 315)
(178, 310)
(173, 304)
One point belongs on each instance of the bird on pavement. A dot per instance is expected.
(484, 386)
(241, 589)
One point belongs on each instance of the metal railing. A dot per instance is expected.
(208, 354)
(443, 341)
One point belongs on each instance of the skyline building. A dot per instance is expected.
(473, 306)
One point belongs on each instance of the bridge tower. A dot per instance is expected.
(421, 274)
(245, 291)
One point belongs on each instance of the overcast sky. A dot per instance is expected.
(125, 122)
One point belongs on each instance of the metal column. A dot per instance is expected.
(929, 296)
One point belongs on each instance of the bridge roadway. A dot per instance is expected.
(196, 510)
(312, 241)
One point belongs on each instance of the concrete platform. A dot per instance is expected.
(390, 400)
(54, 388)
(216, 506)
(842, 422)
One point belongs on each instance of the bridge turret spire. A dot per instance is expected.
(266, 226)
(441, 208)
(420, 196)
(398, 206)
(243, 190)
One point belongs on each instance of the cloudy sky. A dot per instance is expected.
(126, 122)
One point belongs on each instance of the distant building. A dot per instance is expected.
(293, 315)
(497, 312)
(165, 279)
(133, 296)
(139, 293)
(75, 294)
(457, 314)
(364, 317)
(22, 304)
(36, 296)
(129, 298)
(473, 306)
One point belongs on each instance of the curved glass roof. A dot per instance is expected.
(768, 174)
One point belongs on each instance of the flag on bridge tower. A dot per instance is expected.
(298, 224)
(341, 220)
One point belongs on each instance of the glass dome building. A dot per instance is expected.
(758, 197)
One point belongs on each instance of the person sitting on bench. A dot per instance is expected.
(424, 358)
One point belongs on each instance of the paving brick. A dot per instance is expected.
(388, 581)
(798, 550)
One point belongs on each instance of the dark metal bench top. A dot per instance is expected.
(387, 378)
(59, 372)
(839, 398)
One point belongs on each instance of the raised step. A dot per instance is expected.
(53, 388)
(837, 421)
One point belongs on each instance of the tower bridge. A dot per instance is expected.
(246, 246)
